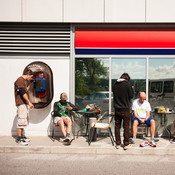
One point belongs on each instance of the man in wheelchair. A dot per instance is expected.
(61, 116)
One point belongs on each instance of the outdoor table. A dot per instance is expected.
(87, 115)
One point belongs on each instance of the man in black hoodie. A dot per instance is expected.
(123, 93)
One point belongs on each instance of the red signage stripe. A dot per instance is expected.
(124, 38)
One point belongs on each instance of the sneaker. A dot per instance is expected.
(144, 143)
(117, 146)
(156, 139)
(173, 140)
(26, 139)
(67, 139)
(125, 147)
(152, 143)
(21, 142)
(132, 141)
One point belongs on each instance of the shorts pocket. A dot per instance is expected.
(22, 122)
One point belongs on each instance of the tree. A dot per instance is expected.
(91, 75)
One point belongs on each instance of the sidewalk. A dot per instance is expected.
(103, 146)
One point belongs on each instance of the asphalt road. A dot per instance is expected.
(84, 164)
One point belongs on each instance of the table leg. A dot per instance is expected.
(80, 130)
(162, 117)
(169, 132)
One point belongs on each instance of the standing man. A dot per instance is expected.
(142, 109)
(123, 93)
(23, 104)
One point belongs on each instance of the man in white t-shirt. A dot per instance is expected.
(142, 109)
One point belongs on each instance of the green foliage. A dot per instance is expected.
(90, 76)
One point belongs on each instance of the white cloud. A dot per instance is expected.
(162, 72)
(133, 68)
(158, 69)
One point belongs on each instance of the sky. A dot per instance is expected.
(162, 68)
(136, 68)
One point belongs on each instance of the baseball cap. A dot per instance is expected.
(63, 96)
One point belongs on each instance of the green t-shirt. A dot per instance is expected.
(62, 109)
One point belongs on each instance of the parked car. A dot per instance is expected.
(78, 101)
(99, 98)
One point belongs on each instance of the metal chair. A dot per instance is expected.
(55, 125)
(98, 125)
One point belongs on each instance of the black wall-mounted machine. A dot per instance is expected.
(41, 91)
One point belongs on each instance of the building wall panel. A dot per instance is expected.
(42, 11)
(40, 119)
(100, 11)
(84, 11)
(125, 11)
(10, 10)
(160, 11)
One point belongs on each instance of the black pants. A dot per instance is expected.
(125, 116)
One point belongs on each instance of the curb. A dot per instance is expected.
(86, 150)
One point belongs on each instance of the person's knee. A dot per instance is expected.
(135, 123)
(60, 123)
(69, 122)
(152, 123)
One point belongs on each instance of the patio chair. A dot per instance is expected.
(56, 125)
(98, 125)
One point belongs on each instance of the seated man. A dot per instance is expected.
(61, 116)
(142, 109)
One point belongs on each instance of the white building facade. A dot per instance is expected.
(64, 33)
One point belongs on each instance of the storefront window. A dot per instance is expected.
(135, 67)
(92, 82)
(95, 77)
(161, 82)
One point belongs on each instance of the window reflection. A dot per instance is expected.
(161, 82)
(156, 87)
(135, 67)
(168, 86)
(92, 82)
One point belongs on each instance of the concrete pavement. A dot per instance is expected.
(44, 144)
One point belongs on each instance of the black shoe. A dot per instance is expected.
(21, 142)
(26, 139)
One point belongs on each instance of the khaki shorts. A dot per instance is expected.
(22, 116)
(57, 119)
